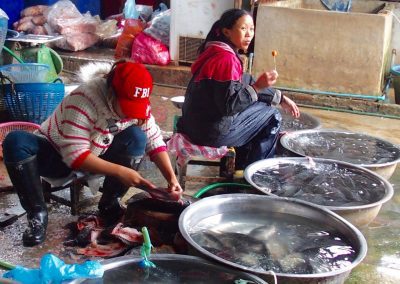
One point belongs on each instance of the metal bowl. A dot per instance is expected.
(367, 151)
(237, 213)
(305, 121)
(178, 101)
(170, 268)
(353, 192)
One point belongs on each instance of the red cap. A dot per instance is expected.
(132, 84)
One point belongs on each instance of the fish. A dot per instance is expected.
(127, 235)
(235, 247)
(107, 250)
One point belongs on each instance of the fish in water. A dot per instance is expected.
(239, 248)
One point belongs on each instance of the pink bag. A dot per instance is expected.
(148, 50)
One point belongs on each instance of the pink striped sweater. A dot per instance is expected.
(80, 125)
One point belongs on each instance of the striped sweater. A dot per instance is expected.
(80, 125)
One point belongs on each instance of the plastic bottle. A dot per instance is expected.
(124, 45)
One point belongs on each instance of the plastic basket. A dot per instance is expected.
(7, 127)
(32, 102)
(26, 72)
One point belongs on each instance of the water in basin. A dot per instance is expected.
(279, 242)
(328, 184)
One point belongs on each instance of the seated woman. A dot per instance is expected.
(103, 127)
(222, 105)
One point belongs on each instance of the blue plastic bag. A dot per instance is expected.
(130, 11)
(53, 270)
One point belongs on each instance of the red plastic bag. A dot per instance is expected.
(148, 50)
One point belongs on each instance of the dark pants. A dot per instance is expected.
(20, 145)
(254, 133)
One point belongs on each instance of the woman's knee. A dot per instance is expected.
(138, 137)
(17, 146)
(136, 140)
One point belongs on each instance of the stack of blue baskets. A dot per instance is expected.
(32, 102)
(30, 99)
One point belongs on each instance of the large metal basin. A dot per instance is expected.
(305, 121)
(217, 211)
(375, 154)
(353, 192)
(170, 268)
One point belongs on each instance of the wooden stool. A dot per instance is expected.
(75, 182)
(226, 167)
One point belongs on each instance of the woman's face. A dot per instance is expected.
(241, 33)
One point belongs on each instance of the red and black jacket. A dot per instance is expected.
(217, 92)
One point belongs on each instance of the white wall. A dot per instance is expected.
(193, 18)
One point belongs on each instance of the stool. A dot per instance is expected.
(226, 163)
(226, 167)
(75, 182)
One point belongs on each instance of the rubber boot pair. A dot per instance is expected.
(110, 209)
(25, 178)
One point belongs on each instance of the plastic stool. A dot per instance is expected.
(226, 167)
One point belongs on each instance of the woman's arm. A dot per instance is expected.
(290, 106)
(161, 159)
(127, 176)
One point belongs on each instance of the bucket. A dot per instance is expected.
(395, 72)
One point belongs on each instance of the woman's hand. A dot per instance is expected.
(266, 79)
(290, 106)
(175, 189)
(130, 177)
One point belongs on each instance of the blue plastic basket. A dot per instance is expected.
(32, 102)
(26, 72)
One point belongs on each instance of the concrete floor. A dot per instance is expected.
(382, 264)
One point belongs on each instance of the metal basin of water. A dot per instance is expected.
(170, 268)
(305, 121)
(239, 215)
(355, 193)
(375, 154)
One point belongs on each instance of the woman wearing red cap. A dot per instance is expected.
(222, 105)
(104, 127)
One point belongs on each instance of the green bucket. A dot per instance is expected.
(395, 72)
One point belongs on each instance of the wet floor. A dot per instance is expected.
(382, 264)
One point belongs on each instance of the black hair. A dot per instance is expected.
(110, 75)
(227, 20)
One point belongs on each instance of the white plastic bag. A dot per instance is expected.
(160, 26)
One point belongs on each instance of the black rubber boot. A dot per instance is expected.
(110, 209)
(26, 181)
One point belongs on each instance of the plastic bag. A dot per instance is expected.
(148, 50)
(62, 13)
(130, 11)
(124, 45)
(160, 26)
(161, 8)
(107, 29)
(145, 12)
(79, 30)
(54, 270)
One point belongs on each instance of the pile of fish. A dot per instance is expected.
(328, 184)
(284, 244)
